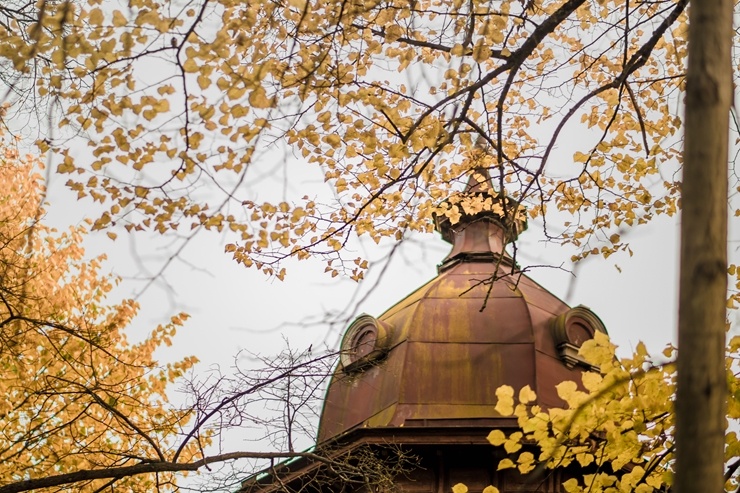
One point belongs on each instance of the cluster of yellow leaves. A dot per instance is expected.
(76, 394)
(487, 201)
(616, 424)
(323, 77)
(733, 301)
(461, 488)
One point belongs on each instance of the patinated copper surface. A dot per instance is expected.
(453, 342)
(422, 377)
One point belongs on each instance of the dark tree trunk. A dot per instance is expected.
(700, 401)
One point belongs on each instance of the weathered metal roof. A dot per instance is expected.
(436, 358)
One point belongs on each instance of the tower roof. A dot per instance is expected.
(436, 358)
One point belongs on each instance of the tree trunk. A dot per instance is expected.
(701, 394)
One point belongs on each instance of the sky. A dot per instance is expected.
(239, 313)
(235, 308)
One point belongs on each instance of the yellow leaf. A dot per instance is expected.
(526, 462)
(166, 89)
(566, 390)
(512, 446)
(235, 92)
(459, 488)
(392, 33)
(505, 464)
(481, 51)
(571, 486)
(496, 437)
(43, 145)
(204, 82)
(66, 166)
(669, 350)
(505, 403)
(118, 19)
(258, 98)
(112, 235)
(333, 140)
(591, 380)
(96, 17)
(584, 459)
(190, 66)
(490, 489)
(526, 395)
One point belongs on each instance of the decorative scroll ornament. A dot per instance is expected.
(365, 343)
(571, 329)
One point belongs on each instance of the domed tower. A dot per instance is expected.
(422, 376)
(435, 359)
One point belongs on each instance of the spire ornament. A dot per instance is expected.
(479, 221)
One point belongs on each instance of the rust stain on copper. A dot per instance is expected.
(448, 355)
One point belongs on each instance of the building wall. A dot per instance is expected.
(442, 467)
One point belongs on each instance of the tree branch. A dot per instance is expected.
(146, 468)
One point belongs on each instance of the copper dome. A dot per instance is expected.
(437, 356)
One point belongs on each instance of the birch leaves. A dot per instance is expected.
(381, 100)
(618, 424)
(77, 395)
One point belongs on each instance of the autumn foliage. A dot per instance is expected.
(385, 100)
(76, 394)
(173, 106)
(618, 424)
